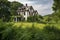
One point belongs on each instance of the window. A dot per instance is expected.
(24, 13)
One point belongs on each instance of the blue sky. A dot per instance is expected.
(44, 7)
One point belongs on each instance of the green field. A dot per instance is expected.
(29, 31)
(37, 25)
(27, 24)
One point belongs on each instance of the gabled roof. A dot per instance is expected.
(24, 7)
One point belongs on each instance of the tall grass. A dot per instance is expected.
(8, 32)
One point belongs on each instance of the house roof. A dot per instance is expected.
(27, 8)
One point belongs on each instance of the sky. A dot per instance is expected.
(44, 7)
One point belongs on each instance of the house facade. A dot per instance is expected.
(24, 12)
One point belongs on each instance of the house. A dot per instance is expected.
(24, 12)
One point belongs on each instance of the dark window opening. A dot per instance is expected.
(24, 13)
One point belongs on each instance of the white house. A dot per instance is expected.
(24, 12)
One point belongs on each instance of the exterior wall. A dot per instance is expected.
(26, 15)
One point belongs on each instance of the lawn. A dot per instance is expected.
(29, 24)
(37, 25)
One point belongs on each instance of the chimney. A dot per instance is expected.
(26, 4)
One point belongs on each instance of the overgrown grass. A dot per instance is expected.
(27, 24)
(10, 32)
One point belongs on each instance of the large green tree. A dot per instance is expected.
(56, 5)
(5, 10)
(14, 7)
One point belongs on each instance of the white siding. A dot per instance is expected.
(26, 15)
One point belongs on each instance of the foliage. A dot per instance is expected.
(56, 5)
(10, 32)
(35, 18)
(5, 10)
(14, 7)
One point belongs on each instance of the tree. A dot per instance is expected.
(56, 5)
(14, 7)
(5, 10)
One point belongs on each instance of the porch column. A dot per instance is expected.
(26, 15)
(16, 19)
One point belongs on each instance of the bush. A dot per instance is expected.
(52, 32)
(35, 18)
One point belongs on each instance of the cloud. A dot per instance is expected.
(42, 6)
(43, 9)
